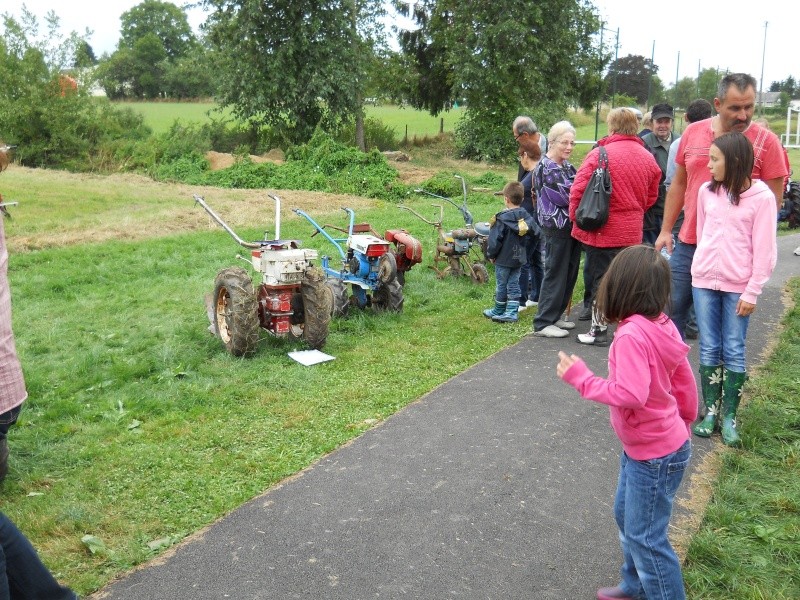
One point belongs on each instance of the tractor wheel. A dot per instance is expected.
(479, 273)
(341, 301)
(317, 307)
(388, 297)
(387, 268)
(236, 311)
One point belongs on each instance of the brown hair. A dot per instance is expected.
(514, 192)
(622, 121)
(738, 153)
(638, 282)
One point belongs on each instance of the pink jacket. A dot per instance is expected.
(736, 246)
(651, 390)
(634, 188)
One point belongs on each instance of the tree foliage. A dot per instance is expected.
(54, 125)
(630, 75)
(164, 20)
(293, 64)
(502, 59)
(788, 85)
(157, 43)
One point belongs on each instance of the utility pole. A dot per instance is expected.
(677, 70)
(650, 79)
(614, 85)
(761, 85)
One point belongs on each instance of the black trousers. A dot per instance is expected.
(562, 259)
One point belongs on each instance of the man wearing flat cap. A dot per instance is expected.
(658, 142)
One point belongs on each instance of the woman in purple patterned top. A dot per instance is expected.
(552, 180)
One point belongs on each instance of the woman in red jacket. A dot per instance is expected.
(634, 188)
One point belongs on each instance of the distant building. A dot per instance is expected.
(768, 99)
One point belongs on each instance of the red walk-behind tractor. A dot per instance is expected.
(292, 300)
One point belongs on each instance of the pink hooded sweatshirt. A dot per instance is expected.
(651, 390)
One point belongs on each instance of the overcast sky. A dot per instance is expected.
(712, 34)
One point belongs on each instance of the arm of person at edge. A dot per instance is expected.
(672, 209)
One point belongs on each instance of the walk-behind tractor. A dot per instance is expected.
(292, 300)
(458, 251)
(367, 266)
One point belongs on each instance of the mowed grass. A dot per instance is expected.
(160, 116)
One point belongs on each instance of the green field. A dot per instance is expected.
(161, 115)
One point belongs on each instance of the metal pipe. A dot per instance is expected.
(199, 200)
(277, 216)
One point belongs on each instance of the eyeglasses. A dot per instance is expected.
(567, 143)
(519, 135)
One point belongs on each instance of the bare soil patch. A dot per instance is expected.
(221, 160)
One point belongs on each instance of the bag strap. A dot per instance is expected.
(602, 163)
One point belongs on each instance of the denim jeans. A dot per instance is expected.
(722, 331)
(22, 574)
(642, 508)
(680, 264)
(507, 286)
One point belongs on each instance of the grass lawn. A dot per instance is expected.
(415, 123)
(140, 429)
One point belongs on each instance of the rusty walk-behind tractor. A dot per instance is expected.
(291, 301)
(368, 265)
(458, 251)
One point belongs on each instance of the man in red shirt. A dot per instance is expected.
(735, 104)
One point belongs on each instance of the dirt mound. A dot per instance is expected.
(221, 160)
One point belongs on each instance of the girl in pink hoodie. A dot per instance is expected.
(652, 396)
(736, 253)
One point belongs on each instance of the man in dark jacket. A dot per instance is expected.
(658, 142)
(507, 249)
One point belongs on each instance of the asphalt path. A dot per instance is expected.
(497, 484)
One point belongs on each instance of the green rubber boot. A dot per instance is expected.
(711, 388)
(731, 396)
(499, 309)
(510, 315)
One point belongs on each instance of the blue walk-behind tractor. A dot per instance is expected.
(366, 265)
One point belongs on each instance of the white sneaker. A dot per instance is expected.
(522, 308)
(534, 303)
(565, 324)
(551, 331)
(797, 251)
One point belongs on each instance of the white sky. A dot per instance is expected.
(715, 34)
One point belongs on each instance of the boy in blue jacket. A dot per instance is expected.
(507, 249)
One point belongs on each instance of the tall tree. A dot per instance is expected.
(707, 82)
(165, 20)
(632, 75)
(502, 58)
(293, 64)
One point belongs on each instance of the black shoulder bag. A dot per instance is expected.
(592, 211)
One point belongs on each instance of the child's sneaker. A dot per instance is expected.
(597, 336)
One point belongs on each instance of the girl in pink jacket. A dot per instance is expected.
(652, 396)
(736, 253)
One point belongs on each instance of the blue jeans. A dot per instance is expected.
(722, 331)
(642, 508)
(22, 574)
(680, 264)
(507, 283)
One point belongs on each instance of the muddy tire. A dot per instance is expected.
(479, 273)
(388, 297)
(317, 308)
(387, 268)
(341, 301)
(236, 311)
